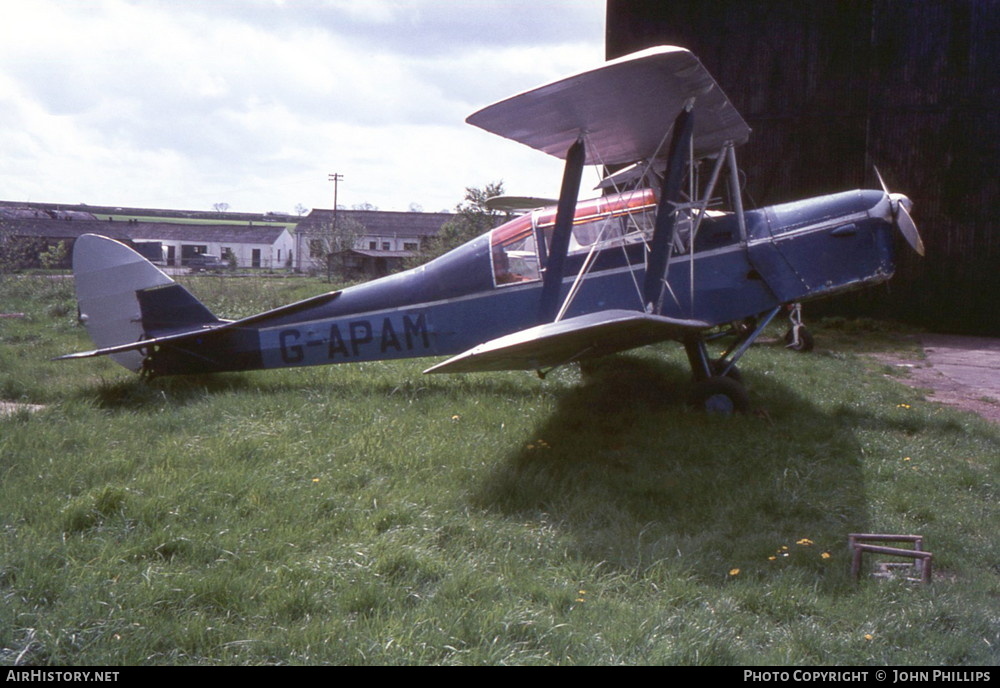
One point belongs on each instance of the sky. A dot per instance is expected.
(254, 103)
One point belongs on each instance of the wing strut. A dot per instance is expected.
(552, 279)
(666, 215)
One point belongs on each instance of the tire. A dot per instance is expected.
(806, 341)
(720, 396)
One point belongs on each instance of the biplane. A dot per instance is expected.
(667, 251)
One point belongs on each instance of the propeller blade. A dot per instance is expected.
(908, 228)
(901, 216)
(880, 180)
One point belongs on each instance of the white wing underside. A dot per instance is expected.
(623, 109)
(573, 339)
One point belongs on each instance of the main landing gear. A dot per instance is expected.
(722, 396)
(718, 385)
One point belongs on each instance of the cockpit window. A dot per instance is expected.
(514, 252)
(520, 247)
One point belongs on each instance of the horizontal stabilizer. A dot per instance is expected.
(144, 343)
(622, 109)
(558, 343)
(219, 326)
(171, 307)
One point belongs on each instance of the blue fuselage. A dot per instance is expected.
(792, 252)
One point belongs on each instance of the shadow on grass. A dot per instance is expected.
(349, 382)
(139, 394)
(636, 478)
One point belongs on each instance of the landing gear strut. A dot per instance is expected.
(718, 385)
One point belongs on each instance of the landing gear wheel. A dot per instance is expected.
(805, 343)
(719, 396)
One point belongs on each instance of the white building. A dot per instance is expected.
(385, 238)
(255, 246)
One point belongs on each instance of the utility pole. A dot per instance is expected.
(335, 178)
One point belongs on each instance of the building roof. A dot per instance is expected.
(379, 222)
(144, 231)
(19, 213)
(374, 253)
(62, 229)
(56, 209)
(172, 231)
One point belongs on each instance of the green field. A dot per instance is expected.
(366, 514)
(221, 220)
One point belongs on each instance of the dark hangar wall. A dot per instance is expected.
(831, 88)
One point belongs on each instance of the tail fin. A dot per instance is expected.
(123, 298)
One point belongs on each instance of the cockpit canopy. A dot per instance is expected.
(519, 248)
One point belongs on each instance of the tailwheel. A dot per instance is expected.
(803, 342)
(798, 338)
(719, 396)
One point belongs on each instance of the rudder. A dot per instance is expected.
(124, 298)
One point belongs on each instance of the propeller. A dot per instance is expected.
(900, 206)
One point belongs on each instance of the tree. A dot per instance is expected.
(335, 236)
(472, 218)
(220, 207)
(301, 210)
(54, 256)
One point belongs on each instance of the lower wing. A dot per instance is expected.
(573, 339)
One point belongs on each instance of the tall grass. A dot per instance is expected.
(366, 514)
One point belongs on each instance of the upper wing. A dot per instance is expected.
(624, 109)
(557, 343)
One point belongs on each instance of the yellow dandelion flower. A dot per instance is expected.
(772, 558)
(456, 417)
(734, 572)
(825, 555)
(868, 636)
(783, 548)
(805, 542)
(906, 458)
(315, 480)
(580, 599)
(903, 406)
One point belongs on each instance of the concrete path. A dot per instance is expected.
(961, 371)
(9, 407)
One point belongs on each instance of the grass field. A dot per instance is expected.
(366, 514)
(221, 220)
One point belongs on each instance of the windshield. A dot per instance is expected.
(520, 247)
